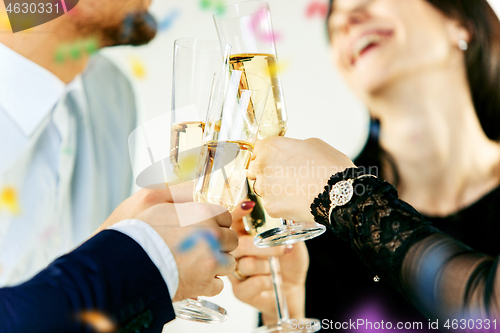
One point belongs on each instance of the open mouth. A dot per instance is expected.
(367, 43)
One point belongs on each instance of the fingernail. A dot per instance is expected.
(247, 205)
(288, 249)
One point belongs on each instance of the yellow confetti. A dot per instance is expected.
(188, 166)
(138, 68)
(5, 23)
(99, 322)
(278, 67)
(9, 200)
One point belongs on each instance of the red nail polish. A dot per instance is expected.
(247, 205)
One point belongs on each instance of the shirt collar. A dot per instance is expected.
(28, 92)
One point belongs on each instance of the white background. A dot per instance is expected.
(318, 103)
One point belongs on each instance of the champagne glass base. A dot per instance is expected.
(288, 234)
(302, 325)
(200, 311)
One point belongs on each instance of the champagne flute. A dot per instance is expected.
(231, 129)
(248, 28)
(195, 63)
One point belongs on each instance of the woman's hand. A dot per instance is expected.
(252, 262)
(290, 173)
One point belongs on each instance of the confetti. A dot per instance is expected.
(188, 165)
(91, 45)
(9, 200)
(48, 233)
(138, 68)
(318, 8)
(217, 5)
(205, 4)
(60, 55)
(64, 6)
(167, 22)
(76, 50)
(190, 242)
(68, 151)
(278, 67)
(99, 322)
(258, 21)
(5, 23)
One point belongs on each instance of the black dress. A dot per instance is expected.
(353, 294)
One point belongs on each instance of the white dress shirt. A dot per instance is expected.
(64, 152)
(29, 150)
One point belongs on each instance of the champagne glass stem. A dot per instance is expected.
(281, 306)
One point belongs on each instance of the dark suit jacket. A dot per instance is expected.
(109, 273)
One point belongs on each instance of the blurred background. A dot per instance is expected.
(318, 102)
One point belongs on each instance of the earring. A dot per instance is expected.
(463, 45)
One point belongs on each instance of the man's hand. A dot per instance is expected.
(199, 267)
(144, 199)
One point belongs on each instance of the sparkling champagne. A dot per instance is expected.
(273, 124)
(222, 171)
(186, 142)
(265, 65)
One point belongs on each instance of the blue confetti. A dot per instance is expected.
(190, 242)
(167, 22)
(211, 240)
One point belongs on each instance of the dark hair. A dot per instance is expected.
(482, 59)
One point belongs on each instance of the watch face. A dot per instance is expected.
(341, 193)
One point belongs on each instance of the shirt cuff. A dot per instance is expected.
(156, 249)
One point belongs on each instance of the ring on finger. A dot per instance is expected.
(238, 274)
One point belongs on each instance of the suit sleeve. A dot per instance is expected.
(110, 274)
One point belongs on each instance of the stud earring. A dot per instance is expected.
(463, 45)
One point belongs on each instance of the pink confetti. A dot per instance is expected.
(258, 21)
(317, 8)
(50, 231)
(64, 6)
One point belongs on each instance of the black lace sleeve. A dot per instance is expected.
(443, 277)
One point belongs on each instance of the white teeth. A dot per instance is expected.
(362, 43)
